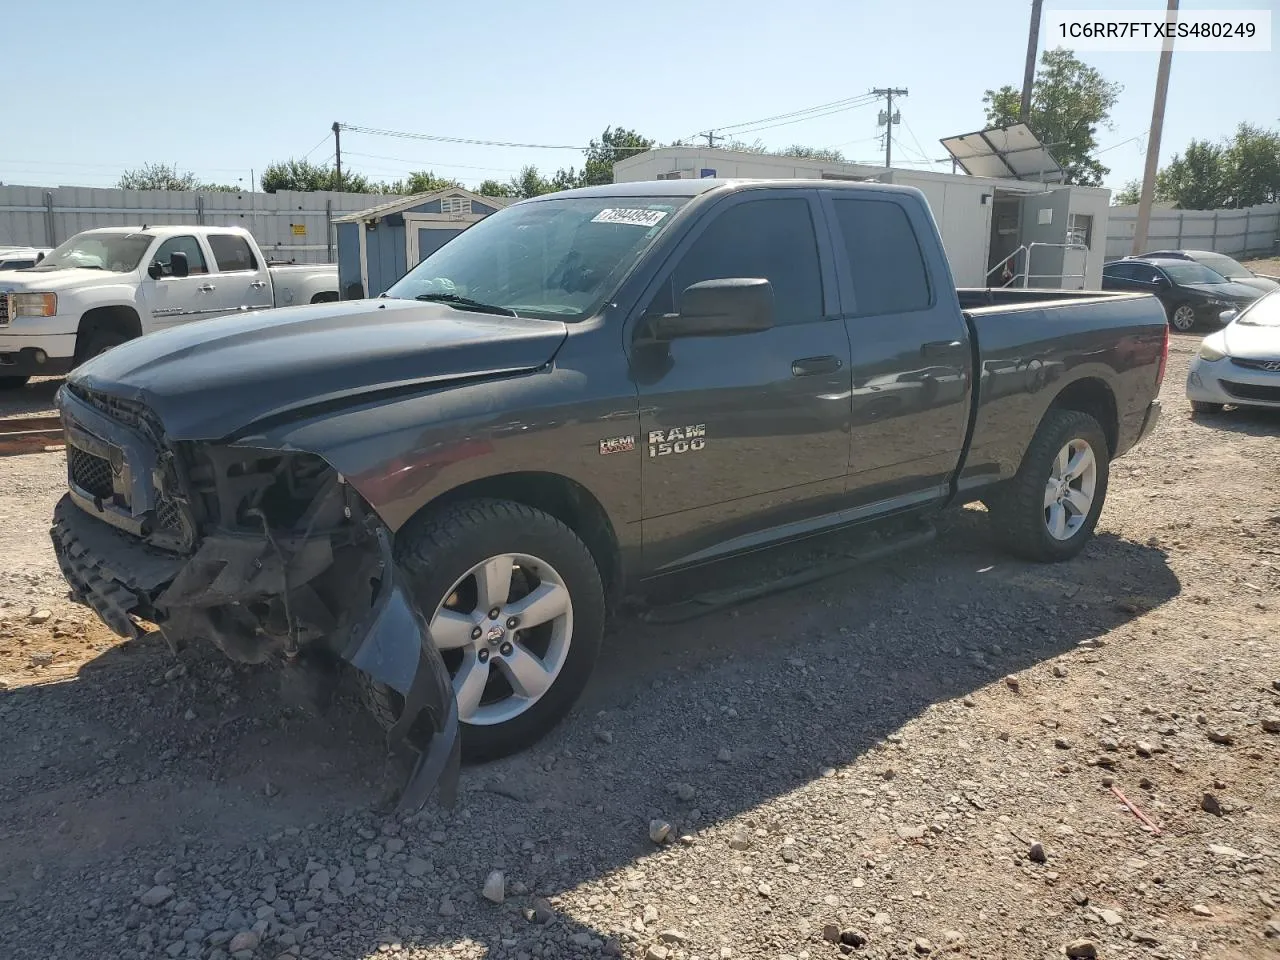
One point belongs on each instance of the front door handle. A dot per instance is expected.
(206, 288)
(935, 347)
(813, 366)
(258, 284)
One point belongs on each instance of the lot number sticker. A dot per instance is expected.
(635, 218)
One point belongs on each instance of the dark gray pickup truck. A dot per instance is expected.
(447, 486)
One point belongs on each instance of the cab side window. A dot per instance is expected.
(188, 245)
(232, 253)
(770, 239)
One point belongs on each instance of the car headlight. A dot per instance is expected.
(33, 304)
(1208, 353)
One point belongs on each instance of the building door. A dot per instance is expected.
(424, 234)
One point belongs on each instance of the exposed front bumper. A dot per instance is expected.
(19, 360)
(1226, 382)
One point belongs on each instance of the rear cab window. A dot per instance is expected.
(232, 252)
(885, 260)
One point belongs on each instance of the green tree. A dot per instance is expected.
(529, 182)
(421, 181)
(616, 143)
(495, 188)
(307, 177)
(157, 176)
(1252, 159)
(1130, 193)
(1196, 179)
(824, 154)
(1070, 100)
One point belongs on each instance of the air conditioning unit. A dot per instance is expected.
(679, 175)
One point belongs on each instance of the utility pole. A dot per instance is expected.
(1029, 71)
(1153, 141)
(337, 150)
(712, 137)
(888, 118)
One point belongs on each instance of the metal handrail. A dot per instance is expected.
(1026, 277)
(1021, 249)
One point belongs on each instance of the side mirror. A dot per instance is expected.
(154, 270)
(718, 308)
(178, 264)
(39, 257)
(1161, 281)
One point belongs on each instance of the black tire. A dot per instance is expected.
(13, 383)
(99, 341)
(1204, 407)
(437, 549)
(1177, 321)
(1018, 511)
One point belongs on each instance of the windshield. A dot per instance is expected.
(1191, 272)
(1262, 313)
(114, 252)
(551, 259)
(1224, 266)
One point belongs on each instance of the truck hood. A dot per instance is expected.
(211, 379)
(56, 281)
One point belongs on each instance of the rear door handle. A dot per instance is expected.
(206, 288)
(813, 366)
(935, 347)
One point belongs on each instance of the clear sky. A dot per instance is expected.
(224, 88)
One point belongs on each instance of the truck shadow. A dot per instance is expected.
(693, 724)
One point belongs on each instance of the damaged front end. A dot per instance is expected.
(268, 554)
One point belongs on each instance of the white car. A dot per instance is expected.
(103, 287)
(1240, 364)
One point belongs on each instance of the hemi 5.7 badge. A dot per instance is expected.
(691, 439)
(617, 445)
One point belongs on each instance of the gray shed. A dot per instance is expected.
(376, 247)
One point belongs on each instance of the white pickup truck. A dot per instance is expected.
(103, 287)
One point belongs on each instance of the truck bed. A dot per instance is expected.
(977, 298)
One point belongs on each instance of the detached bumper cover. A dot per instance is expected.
(393, 646)
(120, 577)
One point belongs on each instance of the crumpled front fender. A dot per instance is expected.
(393, 645)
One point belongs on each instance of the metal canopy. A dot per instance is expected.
(1008, 153)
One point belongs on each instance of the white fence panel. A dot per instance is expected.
(287, 225)
(1252, 230)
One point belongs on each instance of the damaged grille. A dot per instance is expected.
(131, 413)
(91, 474)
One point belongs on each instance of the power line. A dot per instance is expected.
(845, 103)
(323, 141)
(438, 138)
(430, 163)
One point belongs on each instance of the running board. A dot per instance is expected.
(716, 600)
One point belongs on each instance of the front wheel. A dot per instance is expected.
(514, 603)
(1050, 507)
(1182, 317)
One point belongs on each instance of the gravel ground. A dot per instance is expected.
(913, 759)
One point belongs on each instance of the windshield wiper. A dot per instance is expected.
(466, 303)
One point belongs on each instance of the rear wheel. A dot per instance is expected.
(1049, 509)
(1203, 406)
(515, 605)
(13, 383)
(1182, 317)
